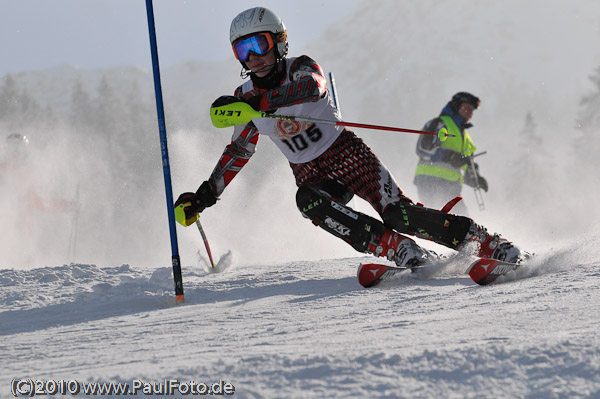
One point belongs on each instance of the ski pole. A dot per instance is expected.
(476, 188)
(201, 230)
(334, 93)
(238, 112)
(336, 102)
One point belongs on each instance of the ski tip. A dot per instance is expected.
(179, 299)
(485, 271)
(480, 269)
(369, 274)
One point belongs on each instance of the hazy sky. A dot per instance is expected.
(38, 34)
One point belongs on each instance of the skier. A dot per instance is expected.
(14, 152)
(330, 163)
(444, 166)
(17, 175)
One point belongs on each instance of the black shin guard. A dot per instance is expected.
(431, 224)
(356, 228)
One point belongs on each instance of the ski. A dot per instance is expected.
(485, 271)
(371, 274)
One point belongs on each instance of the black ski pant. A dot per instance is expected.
(325, 205)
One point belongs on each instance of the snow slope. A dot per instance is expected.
(275, 327)
(308, 330)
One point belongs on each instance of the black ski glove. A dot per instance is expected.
(252, 98)
(226, 100)
(455, 159)
(195, 203)
(474, 180)
(483, 184)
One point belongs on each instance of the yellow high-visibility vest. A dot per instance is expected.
(460, 143)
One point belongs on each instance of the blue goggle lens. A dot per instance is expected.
(258, 44)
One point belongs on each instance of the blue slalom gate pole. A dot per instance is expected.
(162, 130)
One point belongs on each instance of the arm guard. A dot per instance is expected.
(307, 84)
(236, 155)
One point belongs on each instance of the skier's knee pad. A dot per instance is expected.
(440, 227)
(336, 191)
(353, 227)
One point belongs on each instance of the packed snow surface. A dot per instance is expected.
(309, 330)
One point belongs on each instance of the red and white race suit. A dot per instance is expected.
(322, 156)
(316, 151)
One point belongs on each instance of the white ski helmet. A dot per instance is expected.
(260, 19)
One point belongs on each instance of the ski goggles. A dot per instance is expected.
(259, 44)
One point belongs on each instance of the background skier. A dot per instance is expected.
(444, 166)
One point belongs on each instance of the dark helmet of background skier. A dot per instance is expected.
(17, 140)
(257, 30)
(463, 97)
(16, 147)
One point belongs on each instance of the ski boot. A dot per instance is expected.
(401, 250)
(493, 246)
